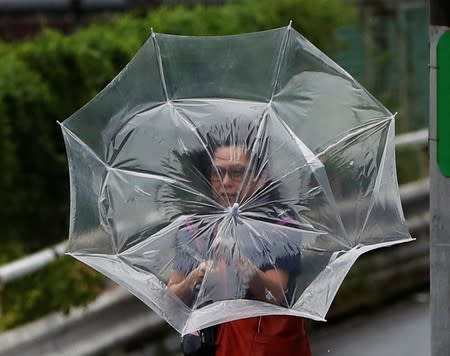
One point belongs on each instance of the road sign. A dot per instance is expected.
(443, 104)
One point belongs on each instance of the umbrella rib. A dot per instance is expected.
(116, 151)
(174, 225)
(273, 201)
(281, 55)
(165, 179)
(312, 160)
(160, 66)
(353, 133)
(222, 225)
(272, 185)
(188, 121)
(356, 131)
(376, 188)
(258, 194)
(193, 203)
(263, 191)
(341, 243)
(196, 255)
(262, 126)
(263, 239)
(83, 144)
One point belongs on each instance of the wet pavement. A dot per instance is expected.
(399, 329)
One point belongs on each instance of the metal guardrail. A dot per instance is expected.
(38, 260)
(30, 263)
(416, 138)
(116, 318)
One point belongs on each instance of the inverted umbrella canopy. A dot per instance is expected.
(218, 178)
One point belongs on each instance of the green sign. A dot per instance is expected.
(443, 104)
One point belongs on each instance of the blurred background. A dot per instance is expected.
(58, 54)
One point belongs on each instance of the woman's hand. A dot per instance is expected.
(183, 286)
(268, 286)
(196, 276)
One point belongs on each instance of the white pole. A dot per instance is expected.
(439, 199)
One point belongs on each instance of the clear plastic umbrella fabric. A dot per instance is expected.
(218, 178)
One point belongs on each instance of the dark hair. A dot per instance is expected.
(195, 166)
(246, 136)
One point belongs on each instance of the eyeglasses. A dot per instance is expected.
(235, 172)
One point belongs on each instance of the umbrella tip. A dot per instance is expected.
(153, 34)
(290, 24)
(235, 210)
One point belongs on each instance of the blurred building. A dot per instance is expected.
(23, 18)
(387, 50)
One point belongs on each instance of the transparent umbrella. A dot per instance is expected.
(218, 178)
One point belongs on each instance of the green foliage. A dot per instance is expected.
(25, 102)
(60, 285)
(317, 20)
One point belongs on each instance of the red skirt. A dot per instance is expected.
(263, 336)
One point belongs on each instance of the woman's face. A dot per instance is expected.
(228, 172)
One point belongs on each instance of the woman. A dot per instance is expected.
(235, 177)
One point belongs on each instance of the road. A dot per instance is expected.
(395, 330)
(398, 329)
